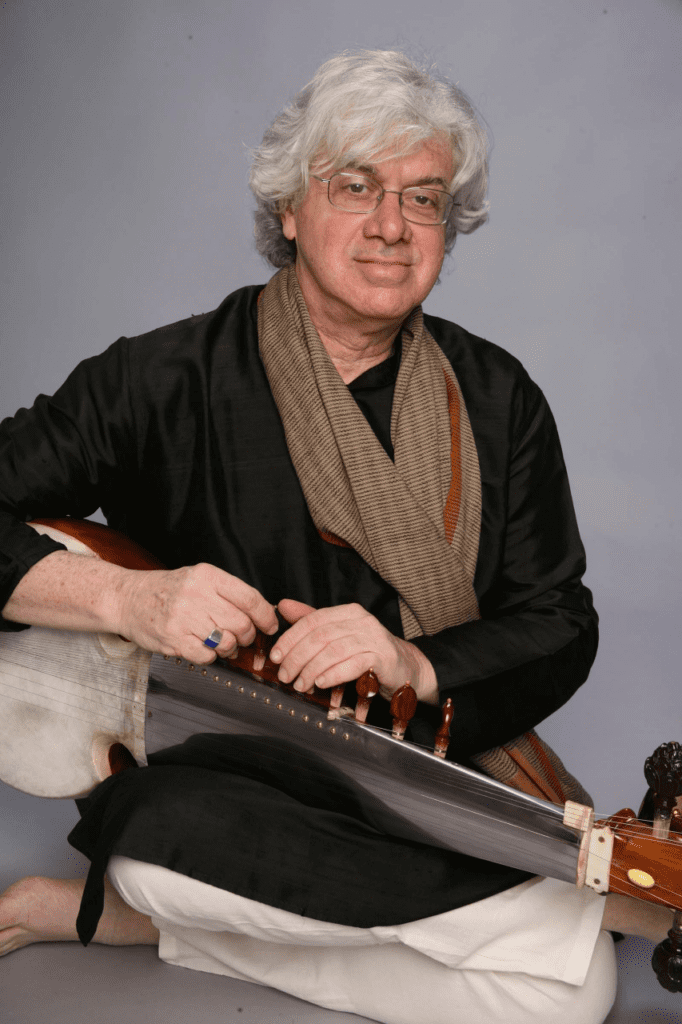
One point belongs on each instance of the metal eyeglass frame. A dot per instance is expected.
(392, 191)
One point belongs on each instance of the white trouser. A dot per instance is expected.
(532, 953)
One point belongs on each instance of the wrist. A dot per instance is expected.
(423, 675)
(118, 599)
(428, 691)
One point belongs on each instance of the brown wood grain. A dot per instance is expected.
(110, 545)
(635, 846)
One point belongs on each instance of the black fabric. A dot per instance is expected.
(373, 392)
(176, 437)
(309, 850)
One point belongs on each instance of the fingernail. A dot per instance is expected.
(320, 681)
(298, 685)
(233, 654)
(275, 654)
(273, 629)
(283, 676)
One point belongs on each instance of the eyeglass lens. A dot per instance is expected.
(358, 194)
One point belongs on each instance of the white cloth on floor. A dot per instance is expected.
(534, 952)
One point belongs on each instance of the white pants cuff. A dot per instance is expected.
(536, 946)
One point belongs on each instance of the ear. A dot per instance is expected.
(289, 224)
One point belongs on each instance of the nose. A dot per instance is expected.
(387, 221)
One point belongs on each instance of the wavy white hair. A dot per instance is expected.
(357, 105)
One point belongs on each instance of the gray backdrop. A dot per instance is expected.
(125, 206)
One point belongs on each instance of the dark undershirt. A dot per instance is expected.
(373, 392)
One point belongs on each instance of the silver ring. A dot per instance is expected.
(213, 639)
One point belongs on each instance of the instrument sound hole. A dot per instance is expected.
(120, 758)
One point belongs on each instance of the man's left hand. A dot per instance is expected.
(328, 646)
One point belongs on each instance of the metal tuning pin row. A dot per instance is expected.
(255, 659)
(403, 708)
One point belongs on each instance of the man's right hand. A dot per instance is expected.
(173, 611)
(169, 611)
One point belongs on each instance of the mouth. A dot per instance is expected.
(384, 263)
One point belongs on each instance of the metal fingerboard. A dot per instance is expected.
(403, 789)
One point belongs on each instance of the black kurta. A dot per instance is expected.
(175, 435)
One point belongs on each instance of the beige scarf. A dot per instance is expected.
(415, 520)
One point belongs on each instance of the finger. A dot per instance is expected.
(319, 618)
(296, 649)
(292, 610)
(248, 600)
(229, 618)
(228, 644)
(326, 673)
(314, 656)
(237, 629)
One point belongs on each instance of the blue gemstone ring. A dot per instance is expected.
(214, 639)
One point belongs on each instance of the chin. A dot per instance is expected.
(389, 306)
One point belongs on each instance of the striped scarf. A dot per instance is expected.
(415, 520)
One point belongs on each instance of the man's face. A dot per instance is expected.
(370, 269)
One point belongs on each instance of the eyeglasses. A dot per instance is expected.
(355, 193)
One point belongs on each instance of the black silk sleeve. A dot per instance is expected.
(68, 455)
(537, 638)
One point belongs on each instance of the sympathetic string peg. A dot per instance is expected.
(366, 687)
(663, 772)
(262, 646)
(254, 658)
(403, 706)
(335, 698)
(443, 732)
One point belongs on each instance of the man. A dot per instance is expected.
(396, 487)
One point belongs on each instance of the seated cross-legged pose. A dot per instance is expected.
(395, 486)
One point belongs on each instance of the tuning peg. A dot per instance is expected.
(667, 958)
(403, 706)
(335, 698)
(254, 658)
(663, 772)
(443, 732)
(262, 646)
(366, 687)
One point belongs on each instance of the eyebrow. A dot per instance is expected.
(372, 171)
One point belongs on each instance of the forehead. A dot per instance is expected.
(429, 162)
(436, 149)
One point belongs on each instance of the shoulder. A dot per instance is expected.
(476, 359)
(177, 344)
(234, 316)
(494, 383)
(191, 353)
(178, 363)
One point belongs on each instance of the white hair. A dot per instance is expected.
(357, 105)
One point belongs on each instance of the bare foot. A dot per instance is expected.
(45, 910)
